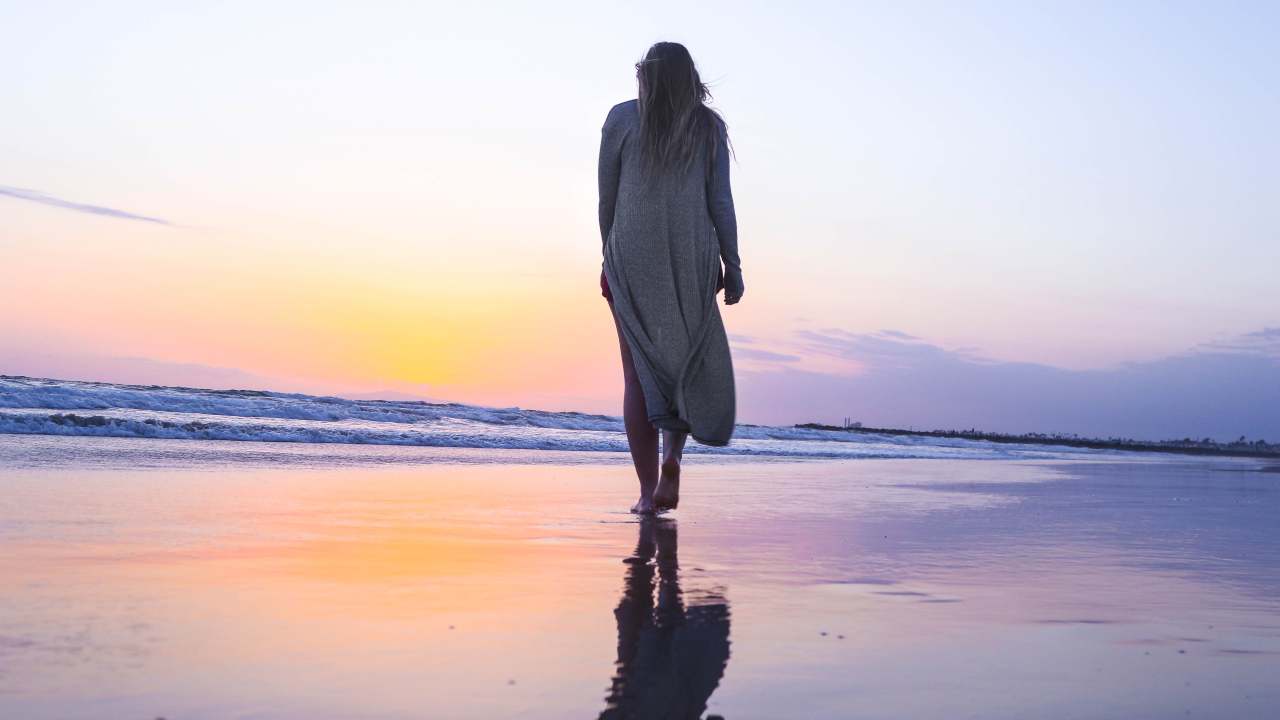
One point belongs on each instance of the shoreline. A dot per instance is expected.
(1269, 451)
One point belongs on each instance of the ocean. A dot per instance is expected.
(64, 407)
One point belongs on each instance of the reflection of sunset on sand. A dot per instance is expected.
(672, 653)
(479, 584)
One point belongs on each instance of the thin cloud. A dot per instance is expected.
(887, 347)
(39, 197)
(1264, 342)
(748, 353)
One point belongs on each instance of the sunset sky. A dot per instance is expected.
(1022, 216)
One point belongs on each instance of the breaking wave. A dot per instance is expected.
(63, 407)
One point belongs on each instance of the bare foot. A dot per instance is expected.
(667, 497)
(644, 506)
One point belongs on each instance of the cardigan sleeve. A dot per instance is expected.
(723, 217)
(609, 171)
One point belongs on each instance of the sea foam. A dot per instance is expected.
(64, 407)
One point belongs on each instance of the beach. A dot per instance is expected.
(213, 579)
(952, 329)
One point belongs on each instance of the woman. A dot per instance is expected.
(666, 223)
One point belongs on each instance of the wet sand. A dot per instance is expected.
(483, 584)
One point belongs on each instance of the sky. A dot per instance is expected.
(1055, 217)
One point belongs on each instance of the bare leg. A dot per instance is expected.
(667, 496)
(642, 436)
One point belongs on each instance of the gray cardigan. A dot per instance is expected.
(719, 195)
(664, 239)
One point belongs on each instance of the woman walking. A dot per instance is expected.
(666, 223)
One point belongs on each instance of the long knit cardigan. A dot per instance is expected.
(664, 237)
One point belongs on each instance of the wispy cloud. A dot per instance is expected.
(750, 353)
(883, 348)
(1264, 342)
(39, 197)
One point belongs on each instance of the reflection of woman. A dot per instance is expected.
(667, 222)
(670, 656)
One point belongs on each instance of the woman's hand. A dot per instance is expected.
(733, 287)
(604, 287)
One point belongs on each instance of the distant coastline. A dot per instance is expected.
(1186, 446)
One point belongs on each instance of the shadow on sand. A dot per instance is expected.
(672, 651)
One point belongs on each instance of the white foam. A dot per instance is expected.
(61, 407)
